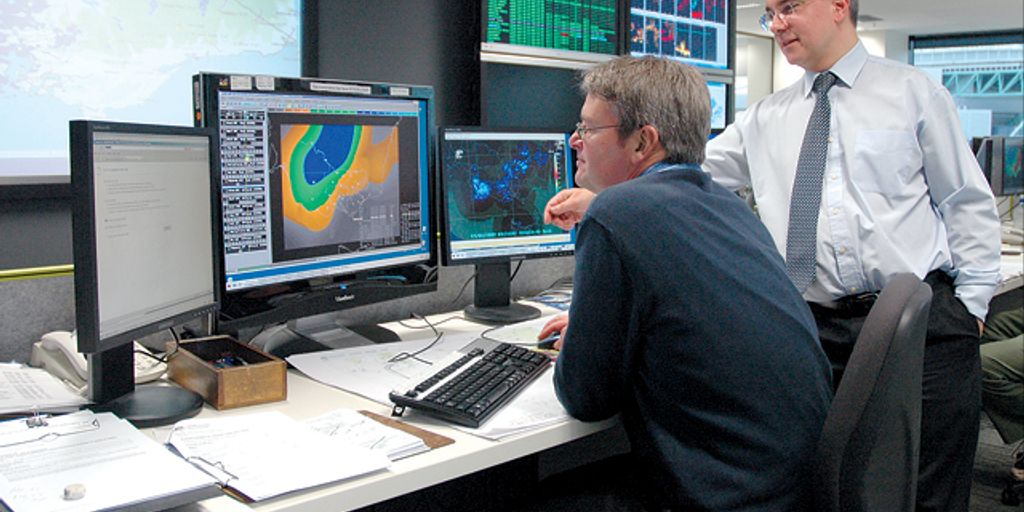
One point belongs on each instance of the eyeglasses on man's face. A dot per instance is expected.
(785, 11)
(585, 130)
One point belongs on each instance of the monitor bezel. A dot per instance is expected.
(87, 315)
(442, 181)
(346, 288)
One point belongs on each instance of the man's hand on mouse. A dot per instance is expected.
(558, 325)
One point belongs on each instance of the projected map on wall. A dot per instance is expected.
(123, 61)
(339, 183)
(498, 189)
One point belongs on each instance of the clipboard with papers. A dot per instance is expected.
(259, 456)
(85, 461)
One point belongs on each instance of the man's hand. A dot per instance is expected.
(567, 207)
(557, 324)
(981, 326)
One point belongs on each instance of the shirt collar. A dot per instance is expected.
(846, 69)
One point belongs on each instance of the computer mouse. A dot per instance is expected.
(549, 342)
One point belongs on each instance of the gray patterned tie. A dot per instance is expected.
(801, 240)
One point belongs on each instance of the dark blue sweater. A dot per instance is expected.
(684, 322)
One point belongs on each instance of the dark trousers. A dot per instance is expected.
(951, 392)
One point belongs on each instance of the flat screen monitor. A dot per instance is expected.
(557, 29)
(695, 32)
(719, 94)
(494, 186)
(73, 59)
(1013, 154)
(325, 194)
(1000, 161)
(143, 252)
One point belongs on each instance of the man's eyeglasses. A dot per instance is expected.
(785, 11)
(584, 130)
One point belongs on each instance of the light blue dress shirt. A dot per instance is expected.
(902, 190)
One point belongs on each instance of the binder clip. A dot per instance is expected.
(36, 420)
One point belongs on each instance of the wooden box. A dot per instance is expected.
(227, 373)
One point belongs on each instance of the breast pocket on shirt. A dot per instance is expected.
(885, 161)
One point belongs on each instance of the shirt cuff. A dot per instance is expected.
(975, 297)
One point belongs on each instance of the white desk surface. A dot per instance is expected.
(468, 454)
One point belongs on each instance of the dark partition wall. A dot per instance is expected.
(529, 97)
(423, 42)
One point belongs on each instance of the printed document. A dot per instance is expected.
(268, 454)
(103, 461)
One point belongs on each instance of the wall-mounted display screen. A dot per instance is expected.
(576, 25)
(693, 31)
(130, 61)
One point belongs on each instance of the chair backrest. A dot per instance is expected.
(867, 455)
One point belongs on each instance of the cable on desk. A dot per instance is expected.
(427, 325)
(401, 356)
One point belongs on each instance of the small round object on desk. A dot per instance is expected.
(74, 492)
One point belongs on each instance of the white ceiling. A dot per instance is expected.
(917, 17)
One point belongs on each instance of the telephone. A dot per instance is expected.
(57, 353)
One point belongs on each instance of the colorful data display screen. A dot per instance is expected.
(693, 31)
(496, 185)
(576, 25)
(317, 185)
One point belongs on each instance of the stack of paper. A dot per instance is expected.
(85, 461)
(24, 389)
(362, 431)
(268, 454)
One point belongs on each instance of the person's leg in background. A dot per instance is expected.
(1002, 365)
(1002, 390)
(951, 402)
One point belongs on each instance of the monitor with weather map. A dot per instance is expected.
(325, 193)
(494, 186)
(125, 61)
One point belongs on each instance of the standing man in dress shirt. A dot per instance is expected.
(899, 191)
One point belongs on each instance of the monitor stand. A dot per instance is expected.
(112, 387)
(492, 294)
(320, 332)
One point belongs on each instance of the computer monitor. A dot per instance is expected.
(696, 33)
(494, 186)
(325, 192)
(571, 30)
(719, 94)
(143, 253)
(1000, 161)
(1013, 154)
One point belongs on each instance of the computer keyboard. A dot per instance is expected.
(474, 382)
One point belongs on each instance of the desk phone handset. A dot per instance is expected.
(57, 353)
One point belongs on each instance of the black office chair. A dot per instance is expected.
(867, 455)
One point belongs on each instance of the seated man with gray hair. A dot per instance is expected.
(683, 320)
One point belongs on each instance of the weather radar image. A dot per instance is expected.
(329, 169)
(496, 187)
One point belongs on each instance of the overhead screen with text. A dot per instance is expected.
(123, 61)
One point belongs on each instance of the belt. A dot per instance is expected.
(849, 306)
(860, 304)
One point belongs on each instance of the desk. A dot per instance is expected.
(469, 454)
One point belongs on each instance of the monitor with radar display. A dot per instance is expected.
(325, 194)
(494, 186)
(143, 252)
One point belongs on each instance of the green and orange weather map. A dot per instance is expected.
(323, 163)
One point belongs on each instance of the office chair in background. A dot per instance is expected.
(867, 456)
